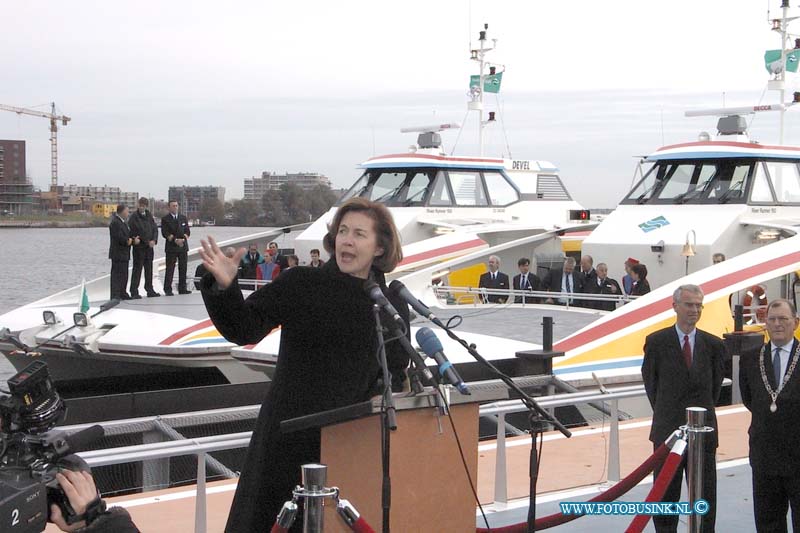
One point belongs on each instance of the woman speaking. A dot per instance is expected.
(328, 351)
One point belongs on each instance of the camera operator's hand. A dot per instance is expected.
(81, 491)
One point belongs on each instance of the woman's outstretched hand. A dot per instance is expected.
(224, 269)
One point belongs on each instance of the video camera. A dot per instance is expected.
(31, 455)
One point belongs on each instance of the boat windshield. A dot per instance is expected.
(409, 187)
(697, 182)
(402, 188)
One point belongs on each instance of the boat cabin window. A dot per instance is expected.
(698, 182)
(433, 187)
(467, 188)
(762, 191)
(395, 187)
(441, 192)
(501, 192)
(785, 181)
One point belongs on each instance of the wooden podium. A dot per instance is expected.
(430, 489)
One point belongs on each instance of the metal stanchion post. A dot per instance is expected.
(696, 430)
(314, 479)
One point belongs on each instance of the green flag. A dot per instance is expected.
(772, 60)
(84, 297)
(491, 83)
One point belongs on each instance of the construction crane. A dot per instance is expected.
(54, 120)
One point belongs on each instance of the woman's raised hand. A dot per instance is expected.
(223, 268)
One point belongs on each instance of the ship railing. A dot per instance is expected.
(201, 447)
(479, 295)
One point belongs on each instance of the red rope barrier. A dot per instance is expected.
(611, 494)
(660, 486)
(361, 526)
(278, 529)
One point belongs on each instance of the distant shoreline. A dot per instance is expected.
(17, 224)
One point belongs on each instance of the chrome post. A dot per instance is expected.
(736, 393)
(200, 496)
(500, 474)
(696, 430)
(314, 478)
(613, 444)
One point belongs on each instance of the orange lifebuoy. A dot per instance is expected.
(755, 303)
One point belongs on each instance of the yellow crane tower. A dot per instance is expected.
(54, 120)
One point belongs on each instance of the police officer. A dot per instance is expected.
(175, 230)
(143, 228)
(119, 251)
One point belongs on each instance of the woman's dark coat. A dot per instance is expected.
(327, 359)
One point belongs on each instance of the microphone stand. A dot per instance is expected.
(388, 420)
(538, 419)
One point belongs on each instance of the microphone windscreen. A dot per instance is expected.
(80, 441)
(428, 341)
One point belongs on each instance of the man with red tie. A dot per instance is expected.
(683, 367)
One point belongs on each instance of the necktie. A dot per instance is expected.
(494, 276)
(687, 351)
(525, 282)
(566, 280)
(776, 366)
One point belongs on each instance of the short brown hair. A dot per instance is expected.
(640, 270)
(783, 301)
(143, 201)
(386, 231)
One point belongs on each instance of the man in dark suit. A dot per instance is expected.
(281, 260)
(175, 230)
(119, 251)
(494, 279)
(588, 276)
(605, 285)
(526, 281)
(248, 267)
(144, 233)
(563, 279)
(683, 367)
(775, 421)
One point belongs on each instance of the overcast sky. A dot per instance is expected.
(208, 93)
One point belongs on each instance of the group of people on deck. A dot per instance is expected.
(267, 267)
(567, 280)
(139, 232)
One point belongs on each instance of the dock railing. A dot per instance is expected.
(202, 446)
(478, 295)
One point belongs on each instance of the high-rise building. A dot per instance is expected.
(16, 191)
(191, 198)
(254, 188)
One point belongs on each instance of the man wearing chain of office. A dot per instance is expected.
(770, 384)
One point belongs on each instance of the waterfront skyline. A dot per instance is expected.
(189, 93)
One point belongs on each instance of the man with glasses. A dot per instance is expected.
(683, 367)
(771, 391)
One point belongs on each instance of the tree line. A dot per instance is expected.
(284, 207)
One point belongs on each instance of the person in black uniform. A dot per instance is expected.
(326, 357)
(175, 230)
(683, 367)
(281, 260)
(494, 279)
(526, 281)
(605, 285)
(775, 421)
(144, 233)
(640, 284)
(119, 251)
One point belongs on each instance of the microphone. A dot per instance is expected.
(418, 307)
(81, 440)
(375, 292)
(432, 347)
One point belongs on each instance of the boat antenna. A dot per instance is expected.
(476, 91)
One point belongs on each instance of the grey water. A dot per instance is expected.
(38, 262)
